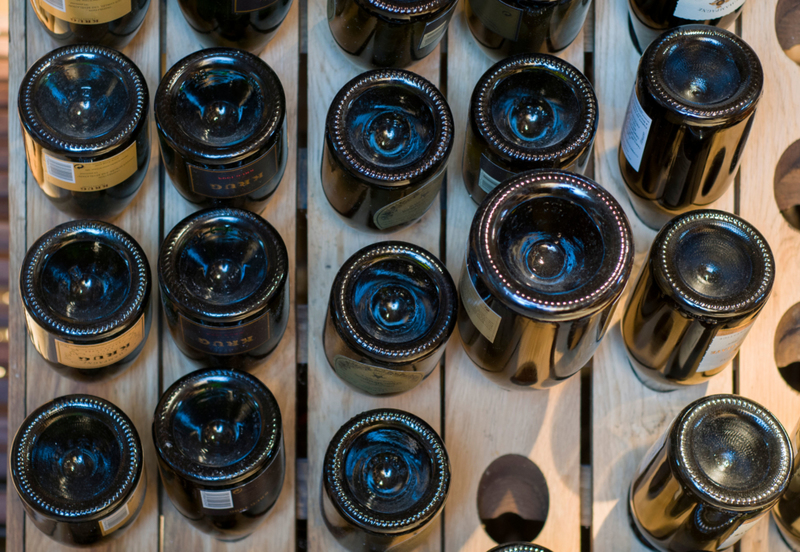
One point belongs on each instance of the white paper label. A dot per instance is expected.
(114, 520)
(738, 534)
(634, 132)
(217, 500)
(491, 174)
(702, 10)
(484, 318)
(723, 348)
(486, 182)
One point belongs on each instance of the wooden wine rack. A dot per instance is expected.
(615, 416)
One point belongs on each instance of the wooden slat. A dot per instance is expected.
(330, 244)
(482, 420)
(278, 371)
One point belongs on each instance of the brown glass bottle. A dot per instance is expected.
(688, 119)
(722, 464)
(708, 276)
(787, 511)
(388, 136)
(531, 111)
(548, 256)
(219, 440)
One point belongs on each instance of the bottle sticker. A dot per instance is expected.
(491, 174)
(92, 176)
(113, 521)
(102, 354)
(653, 452)
(435, 29)
(635, 130)
(226, 183)
(484, 318)
(738, 534)
(125, 512)
(217, 500)
(255, 492)
(87, 12)
(702, 10)
(498, 17)
(374, 379)
(244, 6)
(410, 207)
(723, 348)
(227, 340)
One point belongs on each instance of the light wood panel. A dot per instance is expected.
(482, 420)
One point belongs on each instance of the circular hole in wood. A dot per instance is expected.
(513, 499)
(787, 28)
(787, 347)
(787, 185)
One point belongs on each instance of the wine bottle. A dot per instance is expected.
(787, 511)
(519, 547)
(688, 119)
(85, 286)
(76, 464)
(388, 33)
(721, 465)
(245, 24)
(527, 112)
(707, 278)
(388, 136)
(111, 23)
(84, 112)
(221, 118)
(548, 256)
(219, 441)
(647, 19)
(392, 309)
(504, 28)
(385, 478)
(224, 280)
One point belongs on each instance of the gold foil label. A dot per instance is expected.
(103, 354)
(374, 379)
(93, 176)
(87, 12)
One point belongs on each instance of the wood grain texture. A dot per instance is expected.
(278, 370)
(484, 421)
(330, 243)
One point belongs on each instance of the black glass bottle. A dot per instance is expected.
(388, 136)
(385, 477)
(388, 33)
(221, 118)
(224, 280)
(519, 547)
(76, 464)
(219, 440)
(708, 276)
(527, 112)
(649, 18)
(507, 27)
(787, 511)
(245, 24)
(688, 120)
(84, 112)
(392, 309)
(548, 256)
(111, 23)
(720, 467)
(86, 290)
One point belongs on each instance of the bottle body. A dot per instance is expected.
(374, 33)
(787, 511)
(544, 234)
(681, 146)
(245, 24)
(392, 309)
(112, 23)
(519, 547)
(527, 112)
(84, 113)
(237, 157)
(505, 28)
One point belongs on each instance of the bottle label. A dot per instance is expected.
(244, 6)
(374, 379)
(723, 348)
(435, 29)
(123, 514)
(635, 130)
(245, 496)
(484, 318)
(227, 183)
(92, 176)
(491, 174)
(702, 10)
(227, 340)
(102, 354)
(739, 533)
(498, 17)
(87, 12)
(410, 207)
